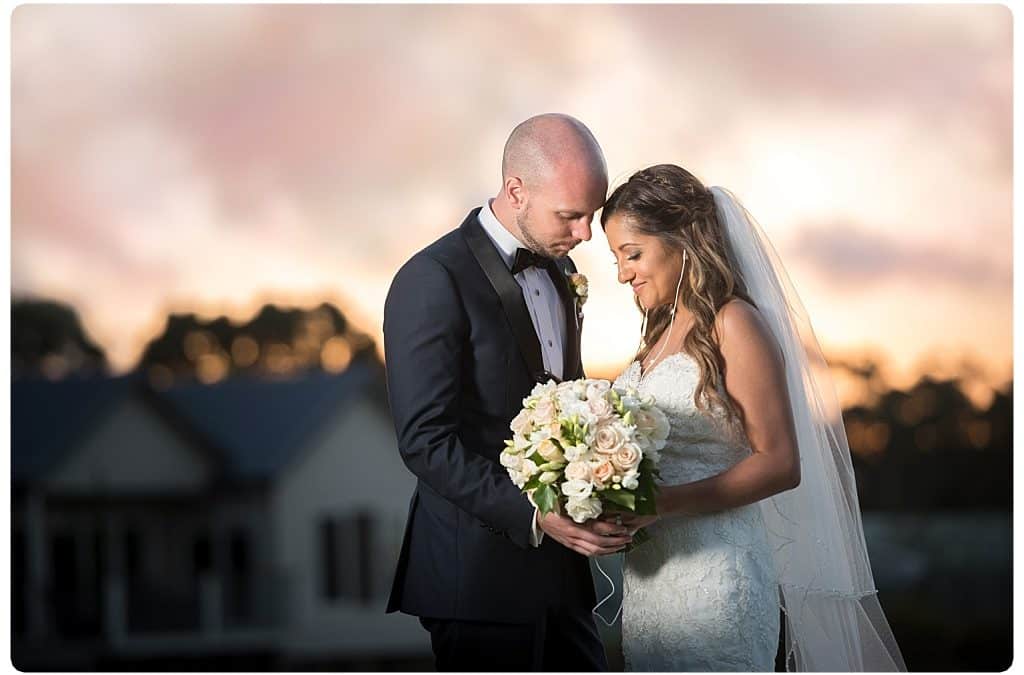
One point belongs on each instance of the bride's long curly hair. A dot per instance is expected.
(670, 203)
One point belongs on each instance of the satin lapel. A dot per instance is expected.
(510, 293)
(572, 320)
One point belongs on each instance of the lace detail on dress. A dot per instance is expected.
(702, 593)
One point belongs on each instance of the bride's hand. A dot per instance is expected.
(631, 521)
(594, 537)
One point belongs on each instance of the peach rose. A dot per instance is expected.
(608, 439)
(602, 472)
(626, 457)
(545, 412)
(577, 471)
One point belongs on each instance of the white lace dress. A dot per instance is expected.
(701, 594)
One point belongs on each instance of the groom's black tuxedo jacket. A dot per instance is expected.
(461, 354)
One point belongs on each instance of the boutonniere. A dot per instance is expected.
(579, 289)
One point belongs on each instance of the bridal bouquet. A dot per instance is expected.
(585, 446)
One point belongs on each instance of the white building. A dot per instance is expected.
(249, 519)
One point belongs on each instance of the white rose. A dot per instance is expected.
(577, 489)
(545, 412)
(578, 471)
(601, 408)
(521, 423)
(626, 457)
(581, 510)
(549, 451)
(608, 439)
(661, 427)
(511, 460)
(517, 477)
(645, 422)
(652, 421)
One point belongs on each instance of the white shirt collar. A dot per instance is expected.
(504, 241)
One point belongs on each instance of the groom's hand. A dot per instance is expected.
(594, 537)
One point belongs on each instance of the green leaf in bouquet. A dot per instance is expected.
(646, 506)
(545, 497)
(647, 468)
(627, 419)
(621, 497)
(646, 495)
(532, 483)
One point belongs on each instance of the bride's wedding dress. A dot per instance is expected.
(702, 593)
(705, 592)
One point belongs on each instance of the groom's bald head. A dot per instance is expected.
(553, 179)
(539, 147)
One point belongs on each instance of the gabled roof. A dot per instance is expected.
(258, 426)
(49, 417)
(252, 427)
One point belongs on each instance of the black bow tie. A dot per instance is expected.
(526, 258)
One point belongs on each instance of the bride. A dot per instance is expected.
(757, 509)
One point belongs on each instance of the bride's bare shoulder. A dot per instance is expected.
(736, 311)
(740, 325)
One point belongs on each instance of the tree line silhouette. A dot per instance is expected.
(924, 448)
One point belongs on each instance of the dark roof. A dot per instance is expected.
(255, 426)
(258, 426)
(47, 417)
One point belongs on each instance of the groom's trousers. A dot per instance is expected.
(559, 641)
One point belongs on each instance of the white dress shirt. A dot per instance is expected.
(544, 304)
(542, 299)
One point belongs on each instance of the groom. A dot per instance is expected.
(471, 324)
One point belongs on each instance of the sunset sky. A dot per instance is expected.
(213, 158)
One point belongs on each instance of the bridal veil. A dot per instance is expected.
(833, 619)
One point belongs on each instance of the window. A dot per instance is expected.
(346, 556)
(329, 558)
(240, 577)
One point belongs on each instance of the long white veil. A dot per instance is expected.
(833, 620)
